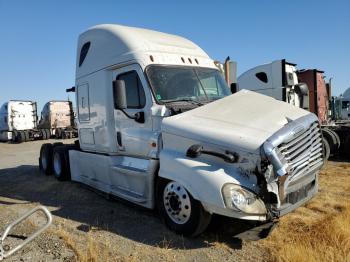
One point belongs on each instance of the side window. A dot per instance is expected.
(83, 103)
(135, 95)
(83, 52)
(262, 77)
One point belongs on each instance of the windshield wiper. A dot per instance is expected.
(194, 102)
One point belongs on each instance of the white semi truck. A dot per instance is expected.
(159, 128)
(18, 121)
(58, 118)
(306, 89)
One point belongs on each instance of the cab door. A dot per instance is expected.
(134, 138)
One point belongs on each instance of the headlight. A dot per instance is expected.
(240, 199)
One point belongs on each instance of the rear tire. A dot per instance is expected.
(20, 136)
(26, 136)
(48, 133)
(179, 210)
(15, 136)
(327, 150)
(60, 160)
(43, 134)
(337, 138)
(45, 159)
(58, 133)
(331, 139)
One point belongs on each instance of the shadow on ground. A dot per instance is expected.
(26, 184)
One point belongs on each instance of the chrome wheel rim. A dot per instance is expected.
(177, 203)
(57, 164)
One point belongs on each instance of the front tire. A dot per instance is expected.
(179, 210)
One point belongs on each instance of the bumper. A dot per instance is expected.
(258, 232)
(232, 213)
(297, 194)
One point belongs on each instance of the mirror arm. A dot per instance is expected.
(138, 117)
(126, 114)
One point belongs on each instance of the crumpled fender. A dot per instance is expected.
(204, 176)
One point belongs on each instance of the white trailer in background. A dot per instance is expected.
(159, 128)
(18, 121)
(58, 118)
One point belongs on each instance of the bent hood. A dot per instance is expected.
(243, 121)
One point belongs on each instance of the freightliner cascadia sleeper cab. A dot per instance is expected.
(158, 127)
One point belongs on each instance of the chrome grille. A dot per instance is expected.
(303, 152)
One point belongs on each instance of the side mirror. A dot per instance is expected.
(72, 89)
(119, 93)
(302, 89)
(233, 88)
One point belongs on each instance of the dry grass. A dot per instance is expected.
(320, 231)
(89, 250)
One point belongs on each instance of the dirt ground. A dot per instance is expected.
(88, 227)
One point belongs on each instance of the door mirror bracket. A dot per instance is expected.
(121, 103)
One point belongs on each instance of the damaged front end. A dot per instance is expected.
(291, 160)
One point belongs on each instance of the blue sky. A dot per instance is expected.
(38, 38)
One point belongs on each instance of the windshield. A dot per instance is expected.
(174, 83)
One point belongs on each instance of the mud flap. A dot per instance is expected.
(258, 232)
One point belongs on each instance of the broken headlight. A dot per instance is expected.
(241, 199)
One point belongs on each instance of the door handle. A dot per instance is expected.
(119, 138)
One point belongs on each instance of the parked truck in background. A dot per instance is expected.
(306, 89)
(158, 127)
(340, 107)
(58, 118)
(18, 121)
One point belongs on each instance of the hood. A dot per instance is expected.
(243, 121)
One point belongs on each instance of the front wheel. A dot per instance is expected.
(179, 210)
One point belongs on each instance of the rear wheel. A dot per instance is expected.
(43, 134)
(337, 138)
(26, 136)
(20, 137)
(179, 210)
(58, 133)
(15, 136)
(327, 150)
(61, 163)
(45, 159)
(331, 139)
(346, 147)
(48, 133)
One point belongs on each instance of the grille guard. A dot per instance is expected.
(284, 135)
(293, 130)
